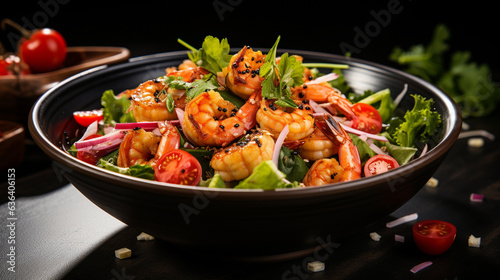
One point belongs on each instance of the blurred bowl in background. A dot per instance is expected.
(11, 144)
(19, 93)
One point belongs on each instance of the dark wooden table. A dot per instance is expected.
(60, 234)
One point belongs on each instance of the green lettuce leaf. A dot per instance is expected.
(419, 123)
(214, 182)
(384, 101)
(265, 176)
(138, 170)
(292, 165)
(115, 109)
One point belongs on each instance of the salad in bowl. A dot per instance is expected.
(252, 120)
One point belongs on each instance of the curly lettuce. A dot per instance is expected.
(419, 123)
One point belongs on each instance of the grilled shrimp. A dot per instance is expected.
(274, 118)
(322, 93)
(147, 105)
(209, 120)
(237, 161)
(317, 146)
(142, 147)
(328, 170)
(241, 76)
(187, 70)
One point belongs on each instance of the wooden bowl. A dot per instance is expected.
(11, 144)
(19, 93)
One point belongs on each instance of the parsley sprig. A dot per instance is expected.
(280, 78)
(213, 54)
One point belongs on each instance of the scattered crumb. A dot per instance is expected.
(145, 237)
(474, 241)
(123, 253)
(465, 126)
(316, 266)
(475, 142)
(375, 236)
(399, 238)
(474, 197)
(433, 182)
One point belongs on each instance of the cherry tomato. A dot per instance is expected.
(44, 50)
(368, 120)
(178, 167)
(88, 157)
(12, 65)
(85, 118)
(4, 68)
(379, 164)
(434, 237)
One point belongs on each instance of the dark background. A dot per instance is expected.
(147, 27)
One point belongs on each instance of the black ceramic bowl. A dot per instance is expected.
(240, 224)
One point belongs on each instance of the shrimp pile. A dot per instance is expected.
(241, 138)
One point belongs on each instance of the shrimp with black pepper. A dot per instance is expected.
(209, 120)
(237, 161)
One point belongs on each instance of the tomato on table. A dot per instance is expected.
(434, 237)
(88, 157)
(368, 118)
(85, 118)
(178, 167)
(379, 164)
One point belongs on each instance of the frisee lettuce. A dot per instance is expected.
(138, 170)
(419, 123)
(265, 176)
(115, 108)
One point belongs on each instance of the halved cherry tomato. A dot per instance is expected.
(434, 237)
(368, 120)
(379, 164)
(85, 118)
(178, 167)
(88, 157)
(44, 50)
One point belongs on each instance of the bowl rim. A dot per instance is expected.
(126, 181)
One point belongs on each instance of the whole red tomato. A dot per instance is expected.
(43, 51)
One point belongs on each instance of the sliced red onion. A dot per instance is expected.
(317, 108)
(278, 144)
(100, 142)
(474, 197)
(402, 220)
(143, 125)
(91, 130)
(375, 148)
(369, 135)
(180, 115)
(108, 129)
(399, 238)
(322, 79)
(401, 95)
(474, 133)
(421, 266)
(424, 150)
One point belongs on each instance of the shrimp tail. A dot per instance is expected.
(348, 153)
